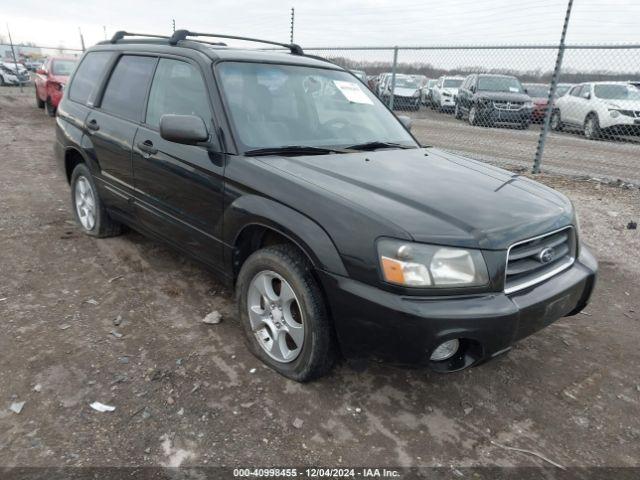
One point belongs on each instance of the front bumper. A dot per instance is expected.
(380, 325)
(447, 101)
(494, 115)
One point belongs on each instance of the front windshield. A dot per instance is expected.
(537, 91)
(63, 67)
(279, 105)
(616, 92)
(499, 84)
(562, 89)
(452, 83)
(406, 82)
(431, 83)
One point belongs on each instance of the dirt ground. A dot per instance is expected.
(187, 393)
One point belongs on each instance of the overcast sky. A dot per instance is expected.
(329, 22)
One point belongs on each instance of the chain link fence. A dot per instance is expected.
(489, 102)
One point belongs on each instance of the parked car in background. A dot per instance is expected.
(599, 109)
(427, 91)
(562, 89)
(539, 93)
(50, 81)
(406, 92)
(33, 65)
(339, 233)
(10, 75)
(384, 79)
(444, 92)
(362, 76)
(488, 99)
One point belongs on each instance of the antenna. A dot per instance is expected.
(293, 18)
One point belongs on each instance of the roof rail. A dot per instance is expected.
(183, 34)
(119, 35)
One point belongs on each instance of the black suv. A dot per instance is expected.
(489, 99)
(341, 235)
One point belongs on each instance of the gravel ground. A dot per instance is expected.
(118, 321)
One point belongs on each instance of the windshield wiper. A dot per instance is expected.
(376, 145)
(294, 150)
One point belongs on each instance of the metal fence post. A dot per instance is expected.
(393, 76)
(537, 161)
(15, 61)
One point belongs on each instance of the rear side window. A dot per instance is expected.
(177, 88)
(88, 76)
(127, 86)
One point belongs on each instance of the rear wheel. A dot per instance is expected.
(87, 206)
(283, 313)
(592, 127)
(39, 103)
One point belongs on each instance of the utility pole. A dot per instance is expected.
(15, 62)
(104, 28)
(293, 18)
(173, 24)
(537, 161)
(81, 39)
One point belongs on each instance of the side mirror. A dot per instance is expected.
(406, 121)
(185, 129)
(41, 71)
(472, 89)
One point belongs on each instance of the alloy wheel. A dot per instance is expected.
(85, 203)
(275, 316)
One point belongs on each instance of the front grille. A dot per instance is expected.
(631, 113)
(511, 106)
(533, 261)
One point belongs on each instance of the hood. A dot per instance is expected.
(436, 197)
(12, 67)
(623, 104)
(506, 96)
(404, 92)
(452, 91)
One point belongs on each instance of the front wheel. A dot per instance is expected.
(556, 121)
(39, 103)
(473, 115)
(592, 127)
(283, 313)
(87, 206)
(457, 112)
(51, 110)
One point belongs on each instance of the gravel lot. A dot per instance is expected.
(187, 393)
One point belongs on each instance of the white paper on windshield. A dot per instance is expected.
(513, 89)
(352, 92)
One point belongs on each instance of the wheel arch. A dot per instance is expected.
(252, 220)
(72, 157)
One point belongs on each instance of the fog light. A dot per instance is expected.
(445, 350)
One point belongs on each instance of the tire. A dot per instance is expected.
(456, 112)
(285, 266)
(473, 115)
(39, 103)
(524, 125)
(592, 127)
(556, 121)
(102, 225)
(50, 109)
(2, 82)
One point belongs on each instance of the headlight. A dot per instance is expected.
(614, 113)
(416, 93)
(528, 104)
(420, 265)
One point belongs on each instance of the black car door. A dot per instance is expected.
(179, 187)
(466, 93)
(112, 126)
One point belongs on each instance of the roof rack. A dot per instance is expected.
(183, 34)
(119, 35)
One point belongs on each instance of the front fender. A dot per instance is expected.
(252, 210)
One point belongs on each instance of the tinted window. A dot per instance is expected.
(88, 75)
(63, 67)
(177, 88)
(127, 86)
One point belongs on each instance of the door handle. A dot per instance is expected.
(93, 125)
(147, 147)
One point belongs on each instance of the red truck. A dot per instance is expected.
(50, 80)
